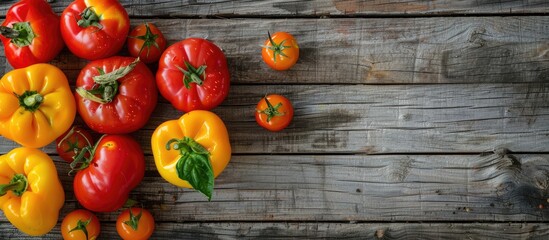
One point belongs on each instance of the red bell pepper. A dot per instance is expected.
(30, 33)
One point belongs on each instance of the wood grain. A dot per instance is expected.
(381, 119)
(491, 187)
(310, 230)
(371, 51)
(324, 8)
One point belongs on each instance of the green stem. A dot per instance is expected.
(193, 75)
(73, 146)
(276, 48)
(271, 111)
(81, 161)
(21, 33)
(134, 220)
(30, 100)
(89, 18)
(82, 226)
(18, 185)
(149, 40)
(8, 32)
(106, 84)
(194, 165)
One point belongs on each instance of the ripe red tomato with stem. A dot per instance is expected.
(280, 51)
(95, 29)
(71, 143)
(116, 95)
(274, 112)
(193, 75)
(147, 42)
(104, 180)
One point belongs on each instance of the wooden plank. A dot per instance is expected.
(380, 119)
(492, 187)
(372, 51)
(308, 230)
(286, 8)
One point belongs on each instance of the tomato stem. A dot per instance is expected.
(271, 111)
(194, 165)
(82, 226)
(134, 220)
(18, 185)
(149, 40)
(73, 146)
(81, 161)
(106, 84)
(89, 18)
(21, 34)
(192, 74)
(277, 48)
(30, 100)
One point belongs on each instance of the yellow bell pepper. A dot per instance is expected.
(37, 105)
(191, 151)
(31, 194)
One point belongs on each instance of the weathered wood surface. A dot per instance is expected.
(491, 187)
(373, 51)
(382, 119)
(322, 8)
(431, 97)
(343, 231)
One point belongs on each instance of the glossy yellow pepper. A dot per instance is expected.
(37, 105)
(191, 151)
(31, 194)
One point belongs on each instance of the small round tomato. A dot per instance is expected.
(80, 224)
(146, 42)
(137, 224)
(274, 112)
(280, 51)
(71, 142)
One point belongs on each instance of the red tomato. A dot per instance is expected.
(116, 95)
(80, 225)
(193, 75)
(137, 224)
(280, 51)
(105, 180)
(71, 142)
(30, 33)
(274, 112)
(146, 42)
(95, 29)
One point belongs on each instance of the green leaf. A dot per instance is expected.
(198, 171)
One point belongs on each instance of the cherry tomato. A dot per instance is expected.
(146, 42)
(274, 112)
(280, 51)
(72, 141)
(80, 224)
(135, 225)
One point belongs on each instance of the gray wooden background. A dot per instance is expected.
(413, 120)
